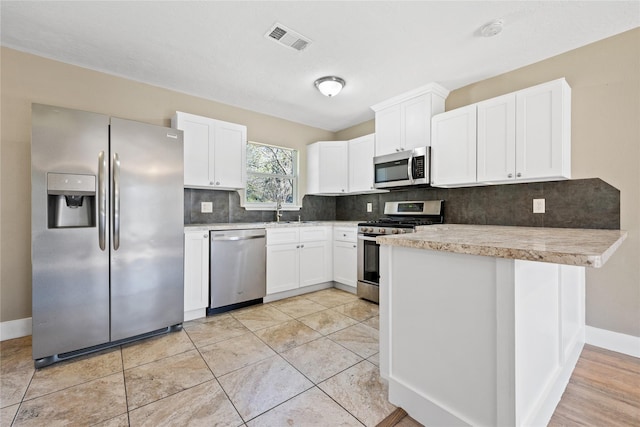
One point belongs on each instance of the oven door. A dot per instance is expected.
(368, 267)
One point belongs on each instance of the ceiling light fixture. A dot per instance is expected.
(330, 85)
(492, 28)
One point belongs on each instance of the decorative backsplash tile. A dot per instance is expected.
(581, 203)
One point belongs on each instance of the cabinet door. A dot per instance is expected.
(229, 165)
(453, 147)
(543, 131)
(388, 130)
(345, 263)
(283, 269)
(196, 270)
(416, 122)
(315, 263)
(334, 178)
(497, 139)
(198, 132)
(361, 153)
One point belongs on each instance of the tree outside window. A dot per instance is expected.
(272, 174)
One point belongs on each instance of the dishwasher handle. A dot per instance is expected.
(232, 236)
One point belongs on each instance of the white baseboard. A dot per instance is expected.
(15, 329)
(614, 341)
(195, 314)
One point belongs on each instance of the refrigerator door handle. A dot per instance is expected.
(102, 201)
(116, 201)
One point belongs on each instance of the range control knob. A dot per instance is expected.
(382, 230)
(395, 231)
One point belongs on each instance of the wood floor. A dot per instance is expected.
(604, 390)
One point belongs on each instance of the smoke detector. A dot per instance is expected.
(492, 28)
(287, 37)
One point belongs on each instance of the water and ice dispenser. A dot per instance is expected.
(71, 200)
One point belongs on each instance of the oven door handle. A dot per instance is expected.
(367, 238)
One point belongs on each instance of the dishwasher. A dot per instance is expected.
(237, 269)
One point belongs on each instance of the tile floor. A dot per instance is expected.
(309, 360)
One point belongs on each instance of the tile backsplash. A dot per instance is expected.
(580, 203)
(226, 208)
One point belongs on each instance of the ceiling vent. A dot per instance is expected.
(286, 37)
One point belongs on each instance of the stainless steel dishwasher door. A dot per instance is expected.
(237, 267)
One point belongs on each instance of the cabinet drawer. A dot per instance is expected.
(277, 236)
(314, 234)
(344, 234)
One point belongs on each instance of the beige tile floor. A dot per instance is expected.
(310, 360)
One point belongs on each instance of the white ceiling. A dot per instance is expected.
(217, 49)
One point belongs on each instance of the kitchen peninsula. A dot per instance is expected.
(483, 325)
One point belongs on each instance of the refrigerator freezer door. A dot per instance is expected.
(147, 265)
(70, 273)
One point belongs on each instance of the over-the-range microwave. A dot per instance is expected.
(410, 167)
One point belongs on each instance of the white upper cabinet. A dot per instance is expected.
(327, 167)
(214, 152)
(361, 153)
(341, 167)
(497, 138)
(543, 132)
(453, 149)
(388, 130)
(404, 122)
(523, 136)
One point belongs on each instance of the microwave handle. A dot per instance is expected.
(410, 169)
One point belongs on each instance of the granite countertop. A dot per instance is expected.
(570, 246)
(252, 225)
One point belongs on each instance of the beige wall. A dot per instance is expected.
(605, 126)
(27, 78)
(364, 128)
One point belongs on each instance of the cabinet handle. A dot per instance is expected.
(518, 174)
(355, 246)
(217, 182)
(510, 175)
(301, 246)
(210, 182)
(206, 236)
(298, 247)
(344, 235)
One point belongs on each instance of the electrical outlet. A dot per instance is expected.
(538, 206)
(369, 207)
(206, 207)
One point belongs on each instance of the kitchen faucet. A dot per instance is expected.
(278, 210)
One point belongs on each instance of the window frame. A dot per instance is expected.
(295, 179)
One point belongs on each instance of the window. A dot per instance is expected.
(272, 175)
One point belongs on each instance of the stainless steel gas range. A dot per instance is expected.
(401, 217)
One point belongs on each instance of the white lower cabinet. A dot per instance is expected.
(196, 274)
(345, 255)
(298, 257)
(283, 267)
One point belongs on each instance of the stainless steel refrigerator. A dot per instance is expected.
(107, 221)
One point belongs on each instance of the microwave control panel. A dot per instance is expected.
(418, 167)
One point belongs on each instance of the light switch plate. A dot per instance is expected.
(369, 207)
(206, 207)
(538, 206)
